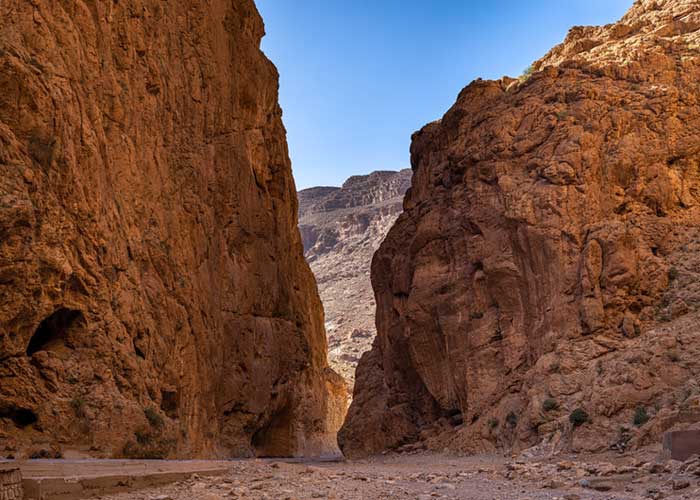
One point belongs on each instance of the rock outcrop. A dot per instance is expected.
(550, 233)
(154, 299)
(341, 228)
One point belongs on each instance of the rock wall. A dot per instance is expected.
(341, 228)
(154, 299)
(551, 225)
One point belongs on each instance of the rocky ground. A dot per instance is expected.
(601, 477)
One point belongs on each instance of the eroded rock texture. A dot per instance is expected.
(551, 223)
(154, 299)
(341, 228)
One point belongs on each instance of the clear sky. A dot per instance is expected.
(358, 77)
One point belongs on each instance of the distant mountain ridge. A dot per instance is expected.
(341, 228)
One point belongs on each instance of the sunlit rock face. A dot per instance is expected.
(549, 236)
(341, 228)
(154, 298)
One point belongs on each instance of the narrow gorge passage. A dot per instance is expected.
(341, 228)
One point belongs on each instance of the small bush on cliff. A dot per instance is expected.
(673, 273)
(599, 368)
(578, 417)
(493, 423)
(550, 405)
(78, 405)
(512, 419)
(527, 73)
(143, 435)
(641, 416)
(153, 418)
(149, 444)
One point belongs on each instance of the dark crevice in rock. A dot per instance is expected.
(53, 330)
(170, 403)
(21, 417)
(274, 438)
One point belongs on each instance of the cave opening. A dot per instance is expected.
(21, 417)
(170, 402)
(53, 330)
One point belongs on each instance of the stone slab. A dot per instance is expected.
(11, 484)
(78, 479)
(681, 445)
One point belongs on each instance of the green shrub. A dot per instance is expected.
(512, 419)
(578, 417)
(493, 423)
(78, 405)
(143, 435)
(527, 73)
(673, 273)
(149, 444)
(476, 315)
(153, 418)
(641, 416)
(550, 405)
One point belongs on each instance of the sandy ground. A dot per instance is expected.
(427, 477)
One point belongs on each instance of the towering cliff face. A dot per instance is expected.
(154, 299)
(551, 227)
(341, 228)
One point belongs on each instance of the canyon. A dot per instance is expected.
(154, 298)
(341, 228)
(539, 291)
(516, 315)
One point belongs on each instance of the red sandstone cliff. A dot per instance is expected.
(550, 234)
(154, 299)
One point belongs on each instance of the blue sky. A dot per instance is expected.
(358, 77)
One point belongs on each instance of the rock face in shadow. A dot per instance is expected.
(154, 299)
(341, 229)
(551, 227)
